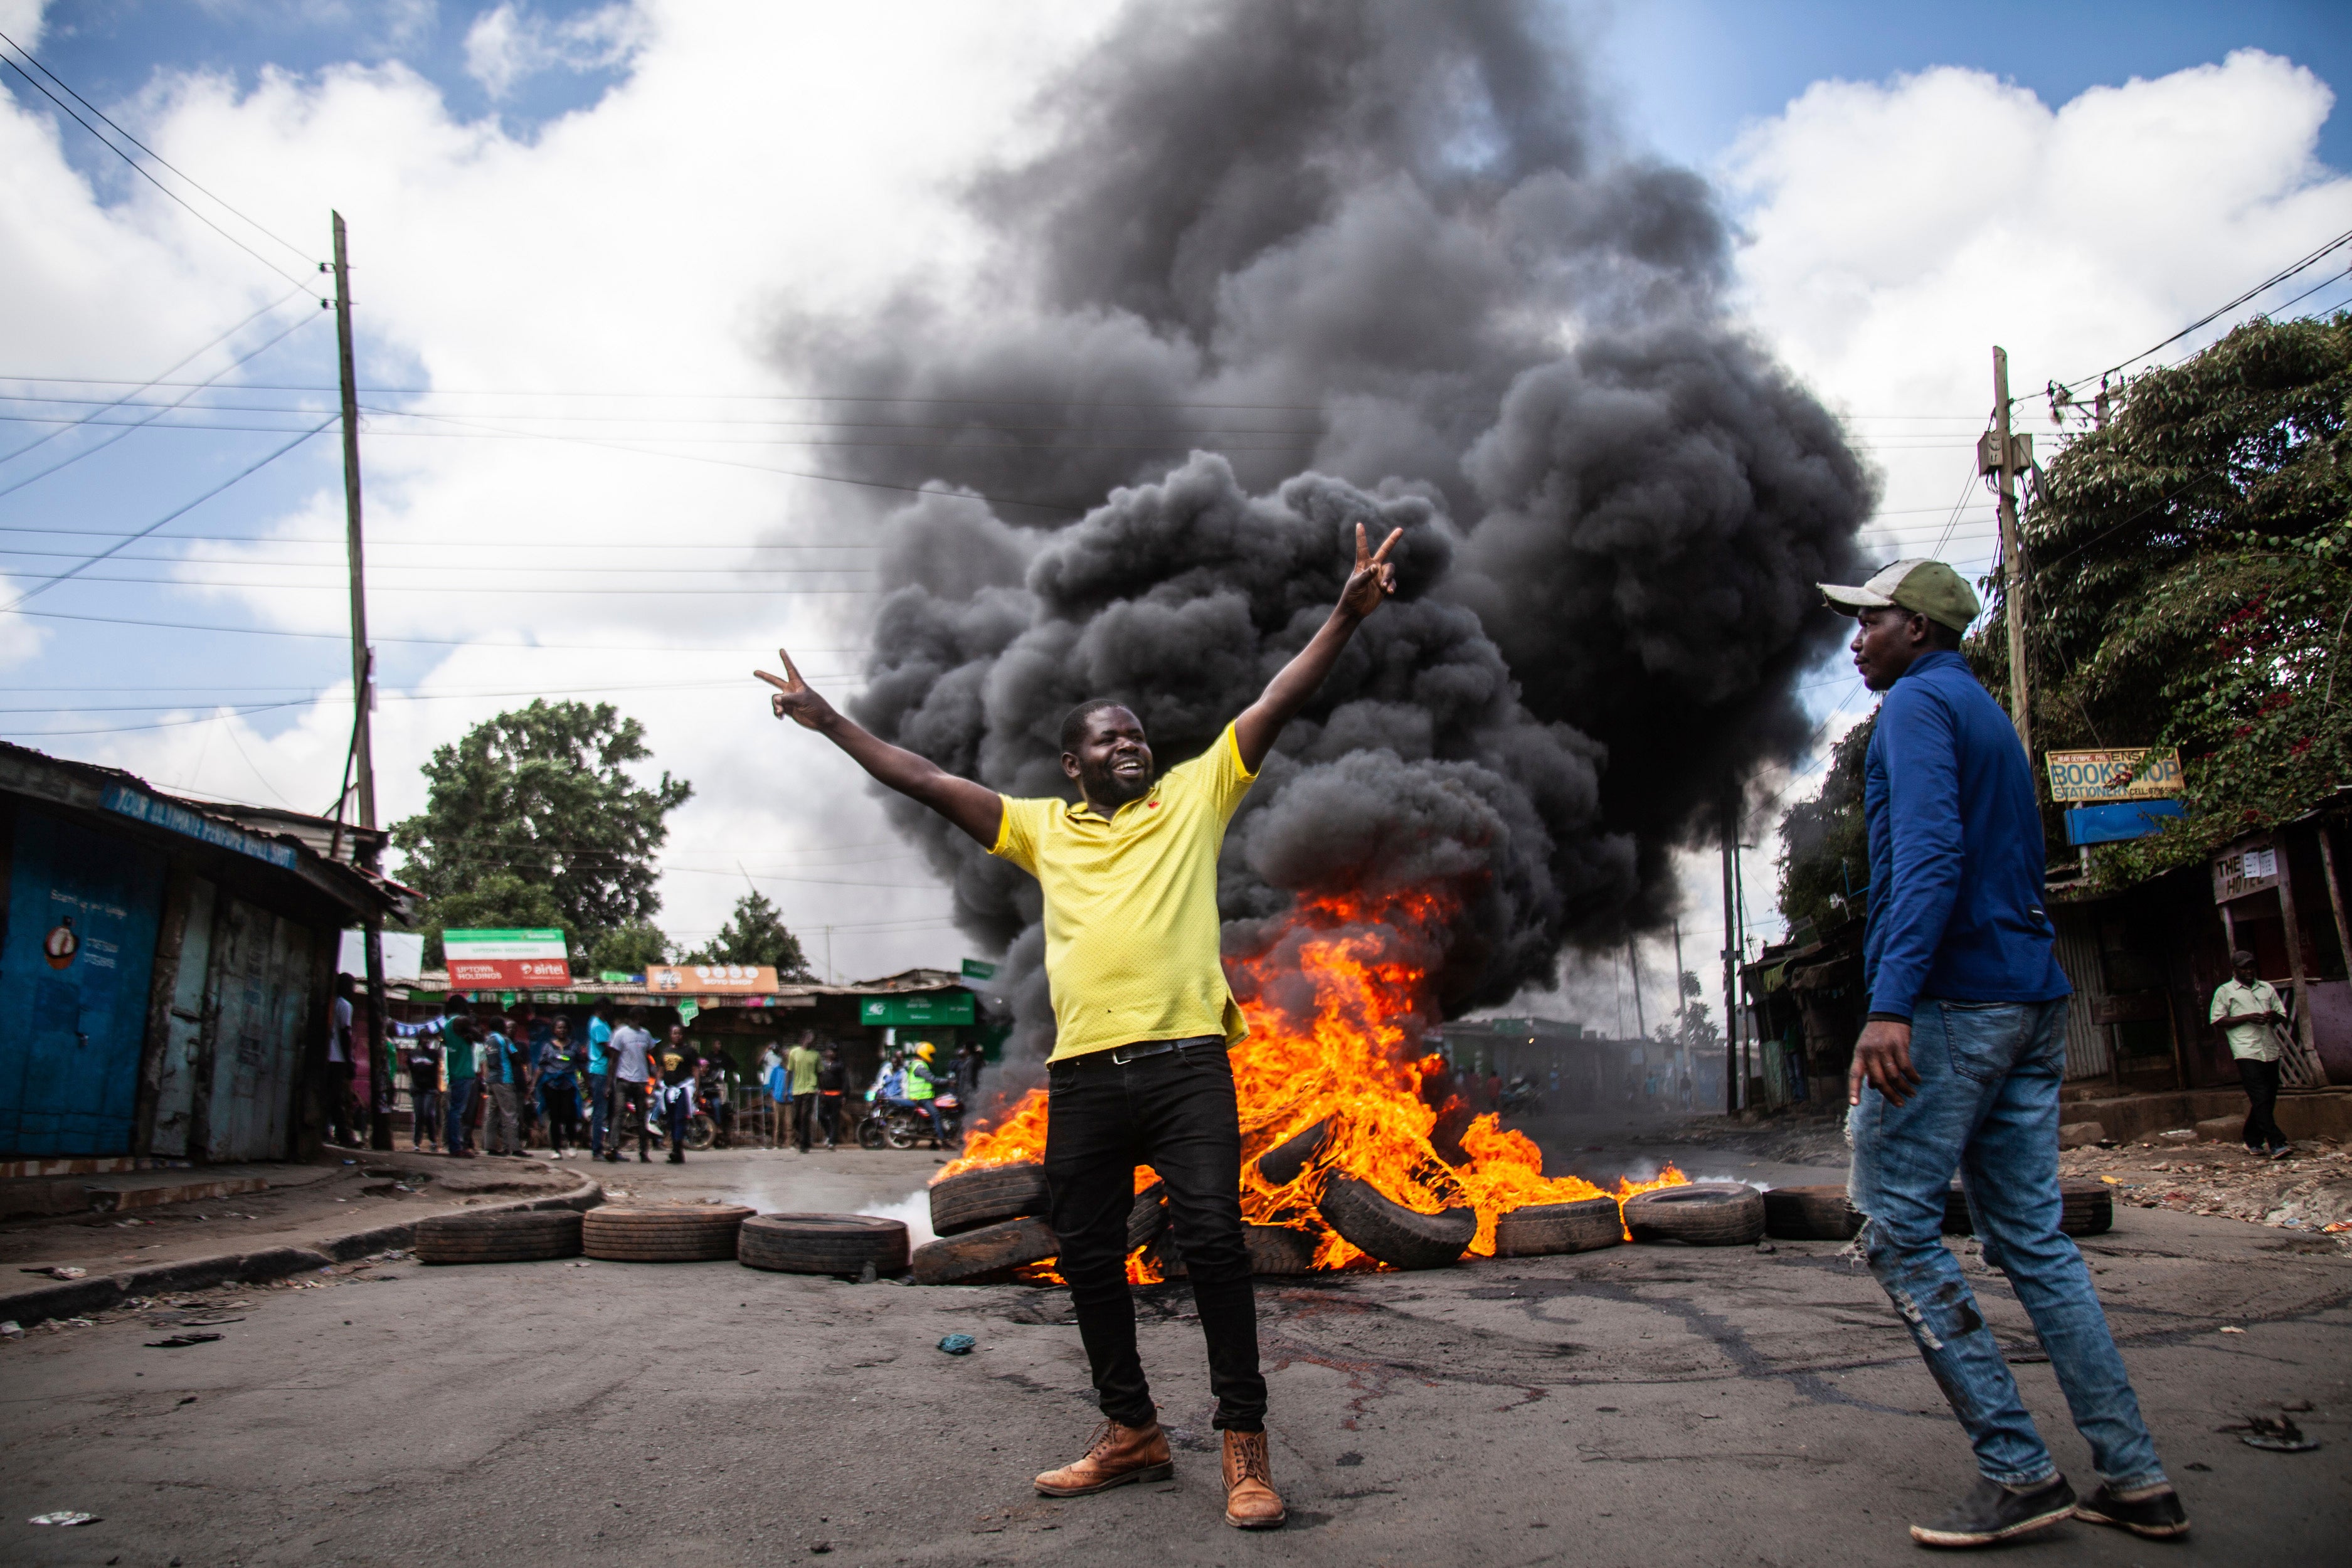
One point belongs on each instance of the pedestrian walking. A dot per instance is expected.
(507, 1080)
(422, 1059)
(832, 1082)
(599, 1080)
(776, 1084)
(801, 1063)
(556, 1072)
(632, 1067)
(969, 1060)
(461, 1058)
(1143, 1017)
(1959, 1067)
(676, 1091)
(342, 1121)
(2252, 1018)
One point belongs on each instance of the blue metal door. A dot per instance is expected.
(82, 910)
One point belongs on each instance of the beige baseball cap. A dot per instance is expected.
(1928, 588)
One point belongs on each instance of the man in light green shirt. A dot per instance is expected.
(2251, 1016)
(800, 1078)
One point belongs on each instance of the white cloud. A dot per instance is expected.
(509, 44)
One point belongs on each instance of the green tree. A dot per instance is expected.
(631, 949)
(1824, 844)
(1692, 1028)
(2191, 572)
(533, 819)
(755, 934)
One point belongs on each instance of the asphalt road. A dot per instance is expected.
(1640, 1405)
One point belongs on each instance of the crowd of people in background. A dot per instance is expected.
(489, 1080)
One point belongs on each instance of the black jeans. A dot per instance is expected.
(2262, 1081)
(630, 1096)
(562, 1115)
(1173, 1111)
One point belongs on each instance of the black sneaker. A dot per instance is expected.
(1992, 1511)
(2159, 1518)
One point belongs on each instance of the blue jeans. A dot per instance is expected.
(1987, 1106)
(464, 1093)
(599, 1110)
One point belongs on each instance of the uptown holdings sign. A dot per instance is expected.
(508, 959)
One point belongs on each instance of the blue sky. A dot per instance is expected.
(1688, 77)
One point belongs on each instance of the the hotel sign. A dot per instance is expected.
(2127, 772)
(2247, 869)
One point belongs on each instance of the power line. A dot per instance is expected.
(151, 151)
(140, 169)
(142, 424)
(738, 650)
(45, 584)
(2274, 280)
(158, 381)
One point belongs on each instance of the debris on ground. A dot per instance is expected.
(2279, 1436)
(2309, 1192)
(55, 1271)
(957, 1344)
(63, 1519)
(176, 1341)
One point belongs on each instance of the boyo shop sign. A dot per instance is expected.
(508, 959)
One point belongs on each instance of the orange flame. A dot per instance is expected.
(1344, 1047)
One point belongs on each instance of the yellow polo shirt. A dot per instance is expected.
(1131, 905)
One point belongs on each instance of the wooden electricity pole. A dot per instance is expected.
(363, 700)
(2005, 454)
(1730, 952)
(1633, 962)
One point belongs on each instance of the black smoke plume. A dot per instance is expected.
(1287, 266)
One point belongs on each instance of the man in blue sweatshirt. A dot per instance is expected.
(1957, 1069)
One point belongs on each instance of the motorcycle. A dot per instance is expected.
(1520, 1098)
(897, 1124)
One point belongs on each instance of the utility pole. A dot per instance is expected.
(362, 757)
(1633, 962)
(1730, 952)
(2003, 453)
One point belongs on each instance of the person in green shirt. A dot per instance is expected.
(465, 1083)
(2247, 1012)
(801, 1064)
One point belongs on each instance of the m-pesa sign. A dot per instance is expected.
(508, 959)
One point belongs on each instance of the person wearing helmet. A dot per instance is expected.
(923, 1087)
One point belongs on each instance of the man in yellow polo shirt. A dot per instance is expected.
(1142, 1016)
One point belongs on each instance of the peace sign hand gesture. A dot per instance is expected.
(793, 699)
(1374, 578)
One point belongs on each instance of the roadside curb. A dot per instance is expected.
(71, 1298)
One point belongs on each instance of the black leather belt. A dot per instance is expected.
(1119, 1056)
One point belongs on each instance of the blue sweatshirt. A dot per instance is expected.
(1956, 861)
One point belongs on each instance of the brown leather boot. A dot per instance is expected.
(1117, 1455)
(1251, 1501)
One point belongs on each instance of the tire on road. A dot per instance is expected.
(1392, 1233)
(511, 1237)
(1701, 1214)
(1149, 1218)
(1283, 1163)
(2085, 1208)
(1276, 1249)
(1540, 1230)
(986, 1256)
(1810, 1213)
(984, 1197)
(679, 1234)
(821, 1243)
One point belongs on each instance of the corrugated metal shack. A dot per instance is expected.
(166, 967)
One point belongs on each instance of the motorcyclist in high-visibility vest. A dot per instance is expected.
(923, 1085)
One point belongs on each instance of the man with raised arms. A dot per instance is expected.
(1142, 1020)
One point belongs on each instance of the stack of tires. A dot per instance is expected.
(682, 1233)
(989, 1224)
